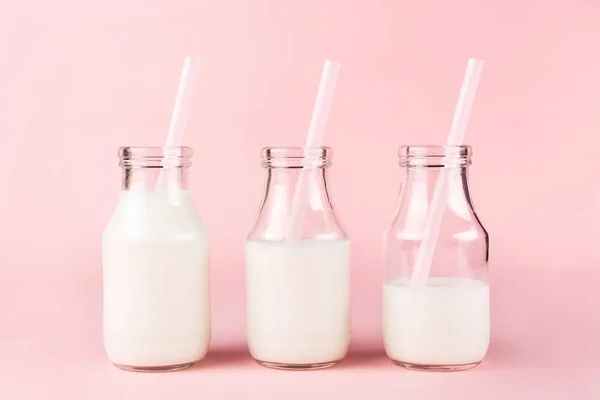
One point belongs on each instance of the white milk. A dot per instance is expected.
(445, 323)
(298, 301)
(156, 281)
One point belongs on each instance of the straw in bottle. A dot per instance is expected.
(440, 195)
(180, 115)
(316, 132)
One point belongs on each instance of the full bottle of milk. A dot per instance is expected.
(155, 259)
(298, 288)
(444, 325)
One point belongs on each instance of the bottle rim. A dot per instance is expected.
(296, 157)
(435, 155)
(155, 156)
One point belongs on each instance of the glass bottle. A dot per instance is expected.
(442, 324)
(155, 258)
(297, 273)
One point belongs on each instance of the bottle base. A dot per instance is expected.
(437, 368)
(160, 368)
(297, 367)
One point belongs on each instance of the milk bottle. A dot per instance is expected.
(155, 258)
(445, 324)
(298, 291)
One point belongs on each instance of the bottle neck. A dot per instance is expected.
(149, 179)
(297, 206)
(307, 185)
(420, 184)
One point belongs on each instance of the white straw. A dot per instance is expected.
(181, 110)
(183, 101)
(440, 195)
(316, 131)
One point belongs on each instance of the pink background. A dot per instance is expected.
(78, 79)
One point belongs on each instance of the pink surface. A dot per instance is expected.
(79, 79)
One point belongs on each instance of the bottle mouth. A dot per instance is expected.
(435, 156)
(296, 157)
(155, 157)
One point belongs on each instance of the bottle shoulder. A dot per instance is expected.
(155, 216)
(406, 228)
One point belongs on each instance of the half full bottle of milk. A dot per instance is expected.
(297, 266)
(155, 258)
(441, 320)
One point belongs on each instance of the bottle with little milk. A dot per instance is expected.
(297, 266)
(440, 320)
(155, 260)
